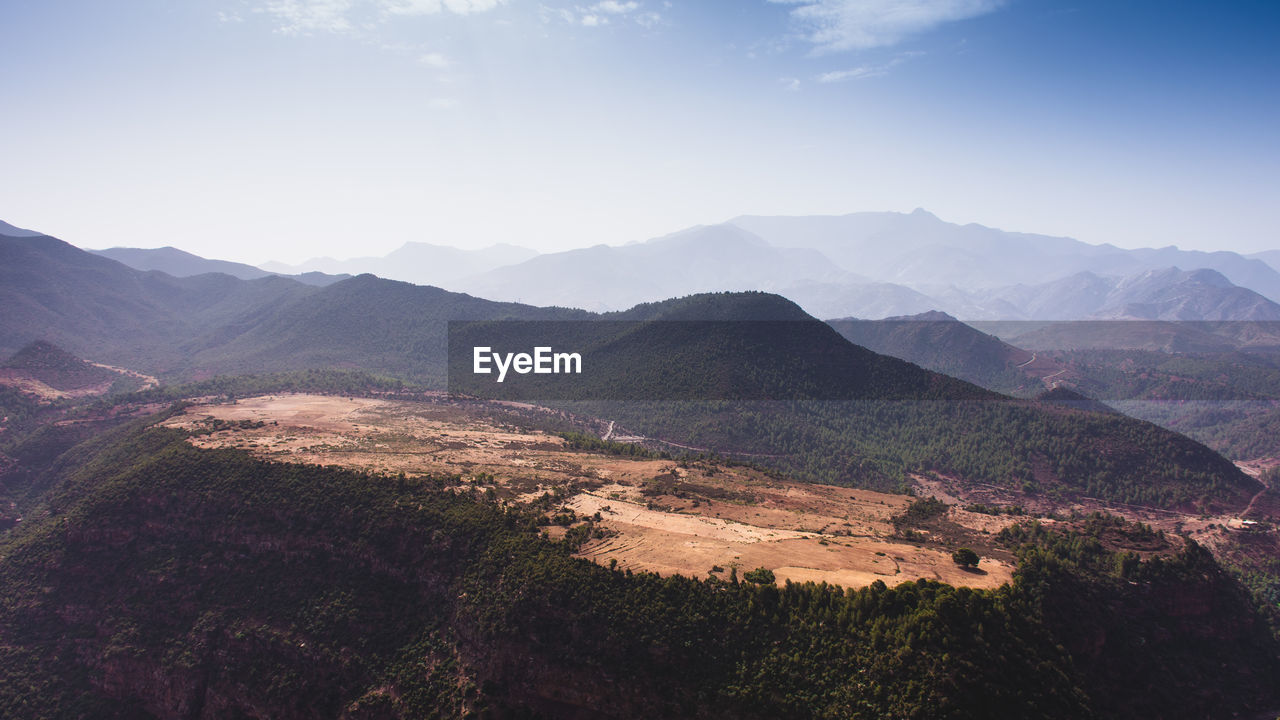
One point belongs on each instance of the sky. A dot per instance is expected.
(257, 130)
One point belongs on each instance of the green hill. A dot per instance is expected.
(943, 344)
(720, 346)
(790, 392)
(365, 322)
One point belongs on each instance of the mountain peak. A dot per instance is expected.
(723, 234)
(927, 316)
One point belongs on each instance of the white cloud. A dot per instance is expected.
(603, 12)
(615, 7)
(865, 71)
(852, 73)
(306, 16)
(789, 83)
(431, 7)
(346, 16)
(434, 60)
(838, 25)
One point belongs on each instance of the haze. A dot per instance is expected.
(256, 130)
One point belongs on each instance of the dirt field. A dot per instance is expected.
(661, 515)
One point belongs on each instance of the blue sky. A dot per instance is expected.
(255, 130)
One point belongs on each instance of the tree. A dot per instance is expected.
(762, 575)
(964, 557)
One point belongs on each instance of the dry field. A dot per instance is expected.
(659, 515)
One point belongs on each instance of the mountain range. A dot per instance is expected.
(831, 274)
(892, 415)
(150, 575)
(920, 250)
(180, 263)
(415, 262)
(867, 265)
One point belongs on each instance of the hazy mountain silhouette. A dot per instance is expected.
(710, 258)
(416, 262)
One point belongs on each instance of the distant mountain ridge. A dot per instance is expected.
(919, 249)
(875, 265)
(866, 265)
(15, 231)
(1158, 294)
(712, 258)
(890, 415)
(180, 263)
(416, 262)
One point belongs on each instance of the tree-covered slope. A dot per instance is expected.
(105, 311)
(167, 581)
(943, 344)
(365, 322)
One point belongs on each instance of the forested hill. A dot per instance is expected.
(365, 322)
(717, 346)
(340, 594)
(942, 343)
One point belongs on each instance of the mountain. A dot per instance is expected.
(1270, 257)
(941, 343)
(417, 262)
(214, 323)
(702, 259)
(918, 249)
(179, 263)
(96, 307)
(1070, 298)
(731, 346)
(868, 299)
(863, 418)
(875, 265)
(750, 374)
(1159, 294)
(365, 322)
(15, 231)
(1173, 294)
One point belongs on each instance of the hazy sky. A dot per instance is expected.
(283, 129)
